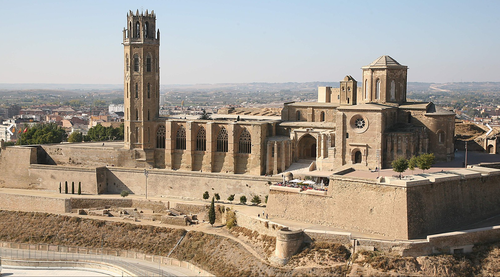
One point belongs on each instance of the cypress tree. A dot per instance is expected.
(66, 187)
(79, 188)
(211, 213)
(59, 187)
(72, 187)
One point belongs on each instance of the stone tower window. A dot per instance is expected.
(201, 140)
(136, 63)
(245, 142)
(148, 114)
(149, 90)
(137, 135)
(366, 89)
(298, 115)
(148, 63)
(222, 141)
(377, 89)
(393, 90)
(440, 136)
(160, 137)
(146, 30)
(137, 29)
(127, 89)
(322, 116)
(136, 90)
(180, 140)
(136, 114)
(130, 29)
(127, 65)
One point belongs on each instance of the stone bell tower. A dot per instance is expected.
(141, 42)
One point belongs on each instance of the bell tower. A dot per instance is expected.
(141, 42)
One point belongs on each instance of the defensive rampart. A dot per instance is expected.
(413, 208)
(30, 203)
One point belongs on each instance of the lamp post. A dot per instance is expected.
(146, 173)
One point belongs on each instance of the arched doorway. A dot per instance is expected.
(491, 149)
(357, 157)
(307, 147)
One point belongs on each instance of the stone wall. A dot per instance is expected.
(14, 164)
(48, 177)
(352, 204)
(28, 203)
(260, 225)
(186, 185)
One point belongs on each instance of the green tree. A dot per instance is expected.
(256, 200)
(66, 187)
(72, 187)
(217, 197)
(243, 199)
(75, 137)
(204, 115)
(117, 101)
(230, 198)
(124, 193)
(99, 103)
(211, 213)
(412, 163)
(42, 134)
(400, 165)
(425, 161)
(267, 196)
(79, 188)
(206, 195)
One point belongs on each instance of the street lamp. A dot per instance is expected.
(146, 173)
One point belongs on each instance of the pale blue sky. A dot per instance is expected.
(252, 41)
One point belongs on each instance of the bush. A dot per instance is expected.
(230, 219)
(206, 195)
(265, 201)
(124, 193)
(230, 198)
(243, 199)
(256, 200)
(217, 196)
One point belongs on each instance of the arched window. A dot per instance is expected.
(148, 63)
(127, 65)
(180, 139)
(137, 29)
(298, 115)
(366, 89)
(130, 29)
(136, 63)
(357, 157)
(146, 30)
(222, 142)
(440, 136)
(322, 116)
(136, 90)
(160, 137)
(136, 114)
(245, 145)
(201, 140)
(393, 90)
(377, 89)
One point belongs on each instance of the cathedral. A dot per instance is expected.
(363, 128)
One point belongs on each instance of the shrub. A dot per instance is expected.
(256, 200)
(230, 198)
(206, 195)
(217, 196)
(265, 200)
(124, 193)
(79, 188)
(230, 219)
(243, 199)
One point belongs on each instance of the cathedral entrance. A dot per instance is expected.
(357, 157)
(307, 147)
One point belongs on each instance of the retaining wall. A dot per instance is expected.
(30, 203)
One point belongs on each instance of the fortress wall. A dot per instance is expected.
(352, 204)
(48, 177)
(33, 203)
(89, 156)
(447, 205)
(14, 165)
(260, 225)
(187, 185)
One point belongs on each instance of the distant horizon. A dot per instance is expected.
(222, 41)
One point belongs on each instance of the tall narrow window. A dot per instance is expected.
(127, 88)
(366, 89)
(136, 114)
(149, 136)
(377, 89)
(130, 30)
(222, 141)
(146, 30)
(136, 90)
(201, 140)
(393, 90)
(180, 139)
(298, 115)
(440, 136)
(136, 63)
(148, 64)
(137, 134)
(137, 29)
(127, 116)
(148, 114)
(245, 145)
(149, 90)
(126, 135)
(160, 137)
(322, 116)
(127, 65)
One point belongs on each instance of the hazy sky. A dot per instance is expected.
(213, 41)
